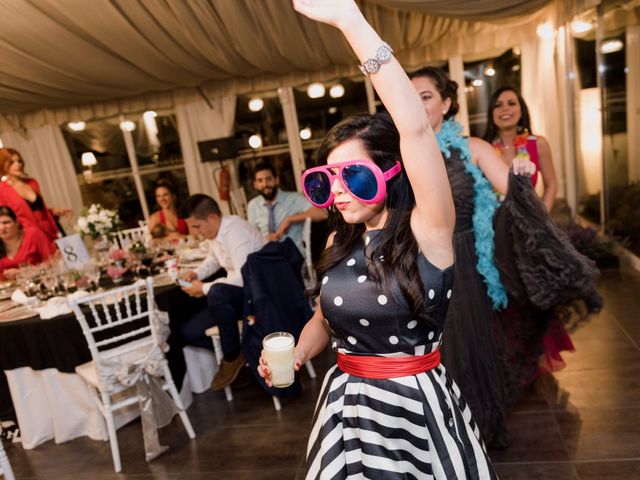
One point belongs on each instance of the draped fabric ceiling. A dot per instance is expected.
(64, 60)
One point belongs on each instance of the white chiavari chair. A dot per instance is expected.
(128, 237)
(5, 465)
(118, 326)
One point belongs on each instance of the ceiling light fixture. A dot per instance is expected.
(256, 104)
(255, 141)
(127, 126)
(336, 91)
(76, 126)
(316, 90)
(611, 46)
(305, 133)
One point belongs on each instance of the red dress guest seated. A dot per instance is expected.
(22, 194)
(165, 221)
(19, 245)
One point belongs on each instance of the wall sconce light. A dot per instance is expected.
(255, 141)
(256, 104)
(545, 30)
(336, 91)
(316, 90)
(89, 159)
(76, 126)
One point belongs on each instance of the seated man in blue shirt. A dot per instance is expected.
(230, 240)
(277, 213)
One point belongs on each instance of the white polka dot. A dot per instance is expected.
(351, 262)
(382, 258)
(432, 293)
(352, 340)
(382, 299)
(412, 324)
(393, 339)
(449, 293)
(367, 240)
(334, 345)
(362, 278)
(364, 322)
(337, 301)
(430, 335)
(325, 279)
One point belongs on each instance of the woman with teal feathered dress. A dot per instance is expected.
(477, 349)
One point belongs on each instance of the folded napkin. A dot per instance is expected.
(20, 297)
(56, 306)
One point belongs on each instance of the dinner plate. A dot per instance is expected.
(192, 254)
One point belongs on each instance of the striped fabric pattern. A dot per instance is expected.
(414, 427)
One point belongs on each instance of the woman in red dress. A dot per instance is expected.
(22, 194)
(165, 221)
(19, 245)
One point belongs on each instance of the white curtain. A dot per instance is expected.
(540, 91)
(48, 160)
(199, 121)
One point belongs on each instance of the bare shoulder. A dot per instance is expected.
(480, 149)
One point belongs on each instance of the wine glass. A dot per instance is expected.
(92, 271)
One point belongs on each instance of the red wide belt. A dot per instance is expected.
(385, 367)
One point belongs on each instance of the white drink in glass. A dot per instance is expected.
(278, 352)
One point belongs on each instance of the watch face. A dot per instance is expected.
(383, 54)
(371, 66)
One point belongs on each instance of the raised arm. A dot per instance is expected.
(434, 217)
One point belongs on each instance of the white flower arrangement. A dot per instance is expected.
(97, 221)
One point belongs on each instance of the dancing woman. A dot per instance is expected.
(388, 409)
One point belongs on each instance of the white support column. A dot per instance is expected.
(633, 101)
(292, 126)
(456, 73)
(135, 170)
(566, 80)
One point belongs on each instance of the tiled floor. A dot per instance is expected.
(583, 423)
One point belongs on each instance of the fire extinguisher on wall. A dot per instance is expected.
(224, 182)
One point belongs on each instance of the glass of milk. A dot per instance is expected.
(278, 352)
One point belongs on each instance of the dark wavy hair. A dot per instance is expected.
(395, 243)
(491, 133)
(7, 212)
(446, 87)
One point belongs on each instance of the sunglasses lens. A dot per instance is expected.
(361, 181)
(318, 187)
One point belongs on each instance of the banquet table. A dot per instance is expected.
(51, 401)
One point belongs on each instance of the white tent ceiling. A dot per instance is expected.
(56, 53)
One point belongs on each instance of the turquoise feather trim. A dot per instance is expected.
(485, 204)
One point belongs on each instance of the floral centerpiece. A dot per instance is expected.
(97, 221)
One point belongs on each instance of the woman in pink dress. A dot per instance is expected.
(165, 221)
(509, 130)
(22, 194)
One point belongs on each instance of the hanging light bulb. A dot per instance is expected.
(490, 71)
(580, 26)
(255, 141)
(336, 91)
(316, 90)
(305, 133)
(76, 126)
(333, 110)
(477, 82)
(256, 104)
(611, 46)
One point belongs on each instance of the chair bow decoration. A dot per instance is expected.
(157, 408)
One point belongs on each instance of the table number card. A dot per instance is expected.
(73, 251)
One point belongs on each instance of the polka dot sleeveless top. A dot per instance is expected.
(366, 317)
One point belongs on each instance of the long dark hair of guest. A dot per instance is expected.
(491, 133)
(395, 243)
(7, 212)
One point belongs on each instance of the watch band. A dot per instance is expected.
(372, 65)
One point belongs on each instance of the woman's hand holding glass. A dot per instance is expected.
(299, 357)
